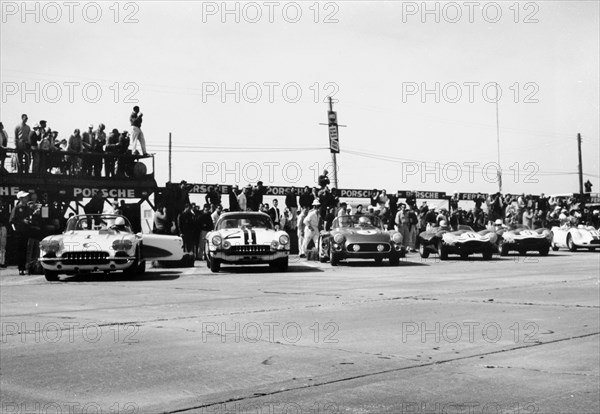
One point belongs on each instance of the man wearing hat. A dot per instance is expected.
(20, 220)
(311, 223)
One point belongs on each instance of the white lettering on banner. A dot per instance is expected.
(105, 192)
(9, 191)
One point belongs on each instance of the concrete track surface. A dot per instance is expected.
(512, 335)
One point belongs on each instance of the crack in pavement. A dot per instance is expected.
(373, 374)
(543, 371)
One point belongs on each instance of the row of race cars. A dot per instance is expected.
(106, 243)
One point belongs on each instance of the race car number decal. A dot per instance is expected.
(366, 232)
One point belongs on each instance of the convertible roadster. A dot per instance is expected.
(464, 241)
(522, 239)
(243, 238)
(574, 238)
(104, 243)
(360, 237)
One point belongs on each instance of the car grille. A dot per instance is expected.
(85, 258)
(251, 249)
(595, 241)
(369, 247)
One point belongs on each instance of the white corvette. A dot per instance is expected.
(574, 238)
(243, 238)
(104, 243)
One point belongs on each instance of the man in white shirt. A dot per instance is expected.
(301, 230)
(311, 232)
(215, 214)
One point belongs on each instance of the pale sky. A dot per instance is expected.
(177, 52)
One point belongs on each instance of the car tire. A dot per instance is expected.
(215, 265)
(141, 268)
(133, 269)
(503, 248)
(442, 251)
(322, 254)
(570, 245)
(554, 247)
(423, 252)
(282, 264)
(51, 276)
(333, 258)
(544, 251)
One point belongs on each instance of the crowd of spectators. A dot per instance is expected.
(40, 150)
(307, 211)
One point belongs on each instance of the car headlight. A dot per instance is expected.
(50, 246)
(397, 238)
(217, 240)
(274, 244)
(339, 238)
(284, 239)
(226, 244)
(122, 245)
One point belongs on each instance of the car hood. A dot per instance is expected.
(240, 237)
(465, 236)
(90, 240)
(363, 235)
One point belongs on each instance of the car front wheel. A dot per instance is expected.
(51, 276)
(442, 251)
(215, 265)
(423, 252)
(570, 244)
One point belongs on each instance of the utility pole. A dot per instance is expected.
(580, 165)
(498, 141)
(333, 154)
(170, 147)
(334, 139)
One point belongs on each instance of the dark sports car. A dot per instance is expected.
(360, 237)
(464, 242)
(522, 239)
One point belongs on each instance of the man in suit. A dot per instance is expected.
(275, 214)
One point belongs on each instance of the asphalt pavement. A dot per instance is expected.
(512, 335)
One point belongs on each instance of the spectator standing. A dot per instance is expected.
(137, 135)
(311, 222)
(112, 149)
(87, 140)
(275, 214)
(213, 196)
(206, 225)
(20, 220)
(301, 230)
(291, 202)
(323, 179)
(185, 222)
(528, 218)
(161, 223)
(4, 223)
(233, 198)
(216, 214)
(97, 150)
(75, 146)
(22, 145)
(306, 198)
(3, 146)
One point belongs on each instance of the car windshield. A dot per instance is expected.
(240, 221)
(357, 222)
(463, 227)
(99, 222)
